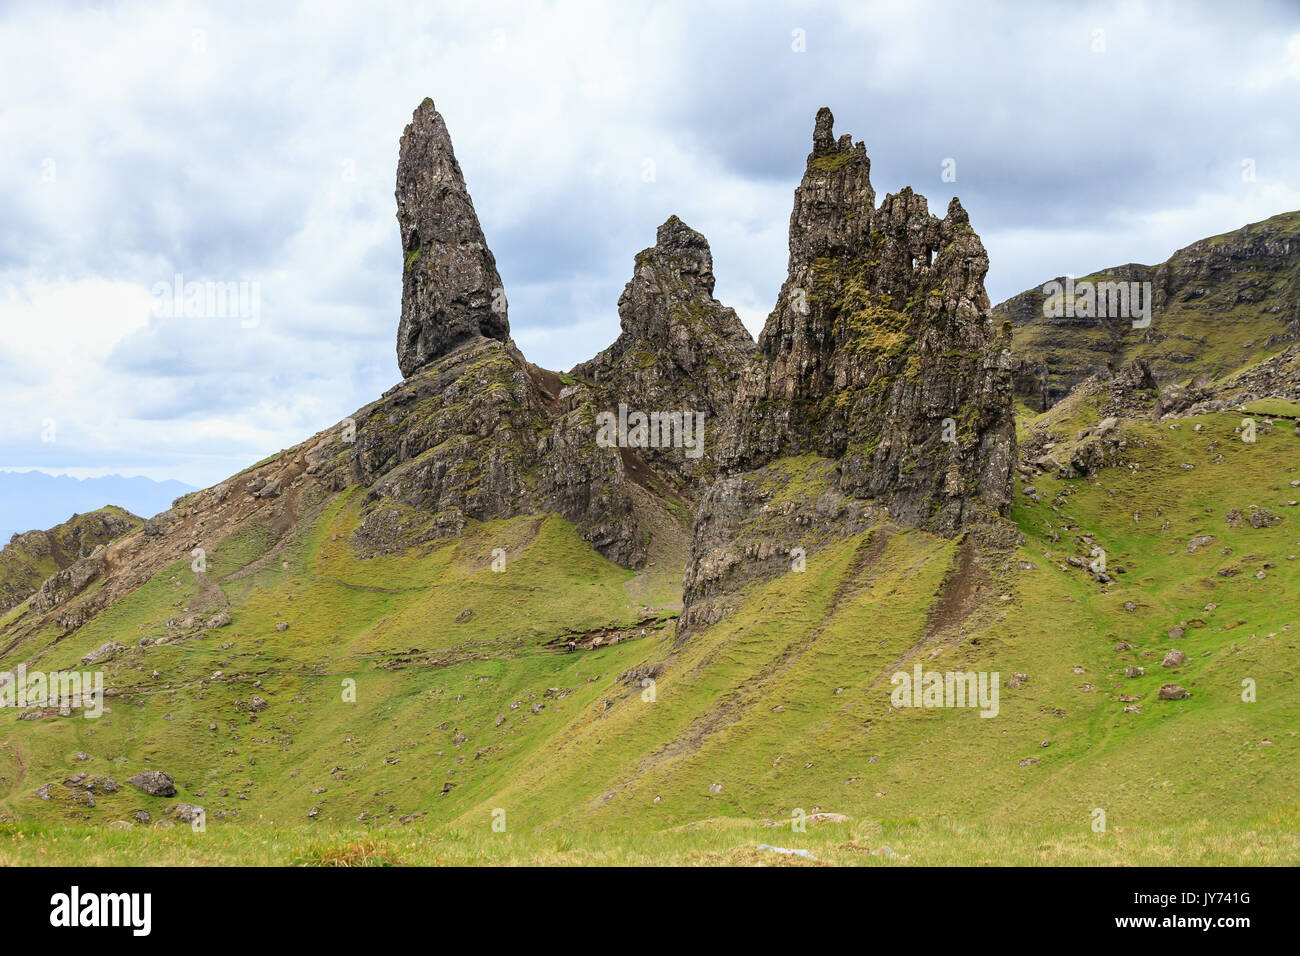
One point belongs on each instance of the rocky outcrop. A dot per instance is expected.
(451, 290)
(156, 783)
(878, 391)
(759, 524)
(481, 434)
(680, 351)
(880, 360)
(62, 585)
(1278, 377)
(31, 559)
(880, 353)
(476, 432)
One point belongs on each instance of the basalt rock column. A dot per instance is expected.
(451, 290)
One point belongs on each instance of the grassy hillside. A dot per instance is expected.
(469, 707)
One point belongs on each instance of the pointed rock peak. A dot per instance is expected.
(679, 348)
(831, 155)
(681, 250)
(451, 290)
(880, 333)
(426, 150)
(834, 204)
(823, 133)
(957, 213)
(675, 235)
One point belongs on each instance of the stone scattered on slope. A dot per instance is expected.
(156, 783)
(103, 652)
(185, 812)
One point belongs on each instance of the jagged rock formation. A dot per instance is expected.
(680, 350)
(479, 434)
(507, 690)
(878, 391)
(879, 356)
(451, 290)
(1220, 304)
(881, 336)
(476, 432)
(38, 558)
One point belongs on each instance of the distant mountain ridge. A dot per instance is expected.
(32, 500)
(1221, 304)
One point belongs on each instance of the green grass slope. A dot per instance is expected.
(475, 735)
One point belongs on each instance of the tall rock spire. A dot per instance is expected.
(880, 387)
(451, 290)
(880, 353)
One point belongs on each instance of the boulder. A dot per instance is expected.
(185, 812)
(156, 783)
(103, 652)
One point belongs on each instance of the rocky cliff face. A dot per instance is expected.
(880, 352)
(1220, 304)
(478, 434)
(878, 358)
(878, 391)
(451, 290)
(880, 361)
(680, 350)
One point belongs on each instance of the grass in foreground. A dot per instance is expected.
(1270, 841)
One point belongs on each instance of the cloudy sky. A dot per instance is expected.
(257, 142)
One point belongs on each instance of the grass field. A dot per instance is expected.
(467, 709)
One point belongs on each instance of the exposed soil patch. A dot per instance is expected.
(607, 636)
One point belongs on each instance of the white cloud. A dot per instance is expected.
(262, 148)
